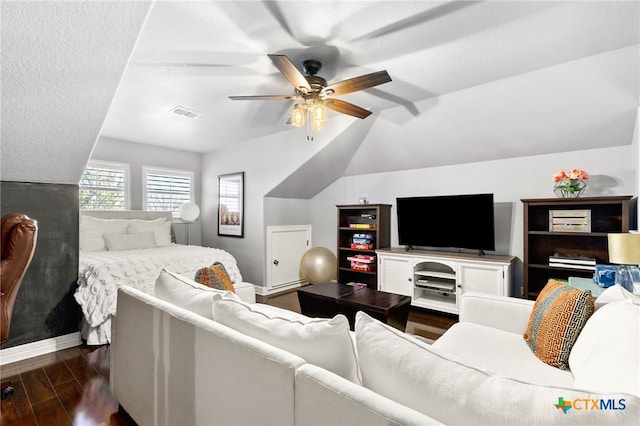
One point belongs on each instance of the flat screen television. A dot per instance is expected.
(448, 221)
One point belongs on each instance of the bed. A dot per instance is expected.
(130, 248)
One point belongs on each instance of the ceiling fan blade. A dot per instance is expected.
(291, 73)
(357, 83)
(263, 97)
(345, 107)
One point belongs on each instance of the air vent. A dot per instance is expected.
(185, 112)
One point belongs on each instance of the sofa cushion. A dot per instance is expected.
(403, 369)
(606, 356)
(615, 293)
(215, 276)
(143, 240)
(500, 352)
(187, 294)
(556, 320)
(323, 342)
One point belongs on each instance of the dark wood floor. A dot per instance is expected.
(67, 387)
(71, 386)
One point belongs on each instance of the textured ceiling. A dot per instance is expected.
(61, 64)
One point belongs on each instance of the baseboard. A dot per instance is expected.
(41, 347)
(264, 291)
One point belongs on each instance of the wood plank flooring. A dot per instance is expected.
(68, 387)
(71, 386)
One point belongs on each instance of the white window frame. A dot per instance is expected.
(166, 171)
(124, 167)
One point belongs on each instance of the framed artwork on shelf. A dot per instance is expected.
(231, 205)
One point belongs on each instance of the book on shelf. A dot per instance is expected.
(362, 225)
(356, 246)
(572, 266)
(573, 260)
(362, 258)
(361, 241)
(364, 267)
(358, 235)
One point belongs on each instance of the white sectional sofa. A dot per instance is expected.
(173, 366)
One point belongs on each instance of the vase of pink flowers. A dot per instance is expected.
(570, 184)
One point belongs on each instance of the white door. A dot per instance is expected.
(394, 275)
(285, 247)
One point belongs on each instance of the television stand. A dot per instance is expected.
(436, 280)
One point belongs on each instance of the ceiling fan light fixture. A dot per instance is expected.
(316, 94)
(297, 116)
(319, 111)
(317, 125)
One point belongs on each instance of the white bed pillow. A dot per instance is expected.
(187, 294)
(161, 228)
(92, 230)
(412, 373)
(606, 355)
(142, 240)
(323, 342)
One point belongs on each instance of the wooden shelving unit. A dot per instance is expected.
(378, 218)
(608, 215)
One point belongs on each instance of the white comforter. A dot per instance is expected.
(101, 273)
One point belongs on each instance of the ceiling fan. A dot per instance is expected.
(317, 93)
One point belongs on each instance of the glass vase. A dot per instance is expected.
(569, 188)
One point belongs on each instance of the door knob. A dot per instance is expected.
(275, 262)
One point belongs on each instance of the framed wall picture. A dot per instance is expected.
(231, 205)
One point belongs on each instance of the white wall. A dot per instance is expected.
(636, 160)
(139, 155)
(612, 172)
(266, 162)
(286, 211)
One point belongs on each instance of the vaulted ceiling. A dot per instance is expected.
(471, 80)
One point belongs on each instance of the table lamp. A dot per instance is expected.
(189, 213)
(624, 250)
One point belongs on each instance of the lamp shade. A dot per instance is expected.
(624, 249)
(189, 211)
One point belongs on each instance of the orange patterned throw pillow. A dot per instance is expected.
(215, 276)
(558, 316)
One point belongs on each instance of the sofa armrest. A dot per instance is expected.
(245, 291)
(501, 312)
(324, 398)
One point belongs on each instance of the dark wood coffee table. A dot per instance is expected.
(328, 299)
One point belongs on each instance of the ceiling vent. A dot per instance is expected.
(185, 112)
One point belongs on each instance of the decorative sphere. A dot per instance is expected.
(318, 265)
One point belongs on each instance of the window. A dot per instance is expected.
(166, 189)
(104, 186)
